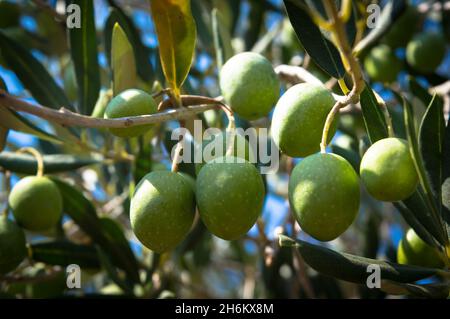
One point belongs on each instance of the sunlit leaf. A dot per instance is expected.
(433, 205)
(373, 115)
(176, 32)
(321, 50)
(123, 63)
(431, 145)
(141, 53)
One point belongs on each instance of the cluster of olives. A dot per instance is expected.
(324, 189)
(424, 51)
(37, 206)
(228, 192)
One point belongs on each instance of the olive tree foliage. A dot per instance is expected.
(57, 78)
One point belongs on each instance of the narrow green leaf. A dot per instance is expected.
(114, 233)
(222, 39)
(176, 31)
(14, 121)
(83, 48)
(350, 26)
(355, 268)
(321, 50)
(64, 253)
(141, 53)
(431, 145)
(418, 163)
(32, 74)
(123, 64)
(374, 119)
(417, 204)
(55, 163)
(411, 219)
(419, 91)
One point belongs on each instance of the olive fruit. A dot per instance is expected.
(387, 170)
(249, 85)
(241, 148)
(12, 245)
(412, 250)
(382, 65)
(324, 195)
(162, 210)
(299, 118)
(426, 51)
(36, 203)
(132, 102)
(230, 196)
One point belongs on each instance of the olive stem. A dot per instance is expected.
(196, 104)
(38, 156)
(352, 66)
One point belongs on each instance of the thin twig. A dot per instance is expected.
(68, 118)
(353, 68)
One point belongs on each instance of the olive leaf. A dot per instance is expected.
(176, 31)
(141, 53)
(355, 268)
(32, 74)
(431, 144)
(414, 223)
(83, 48)
(433, 205)
(418, 207)
(319, 48)
(373, 116)
(419, 91)
(254, 24)
(55, 163)
(222, 39)
(123, 64)
(64, 253)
